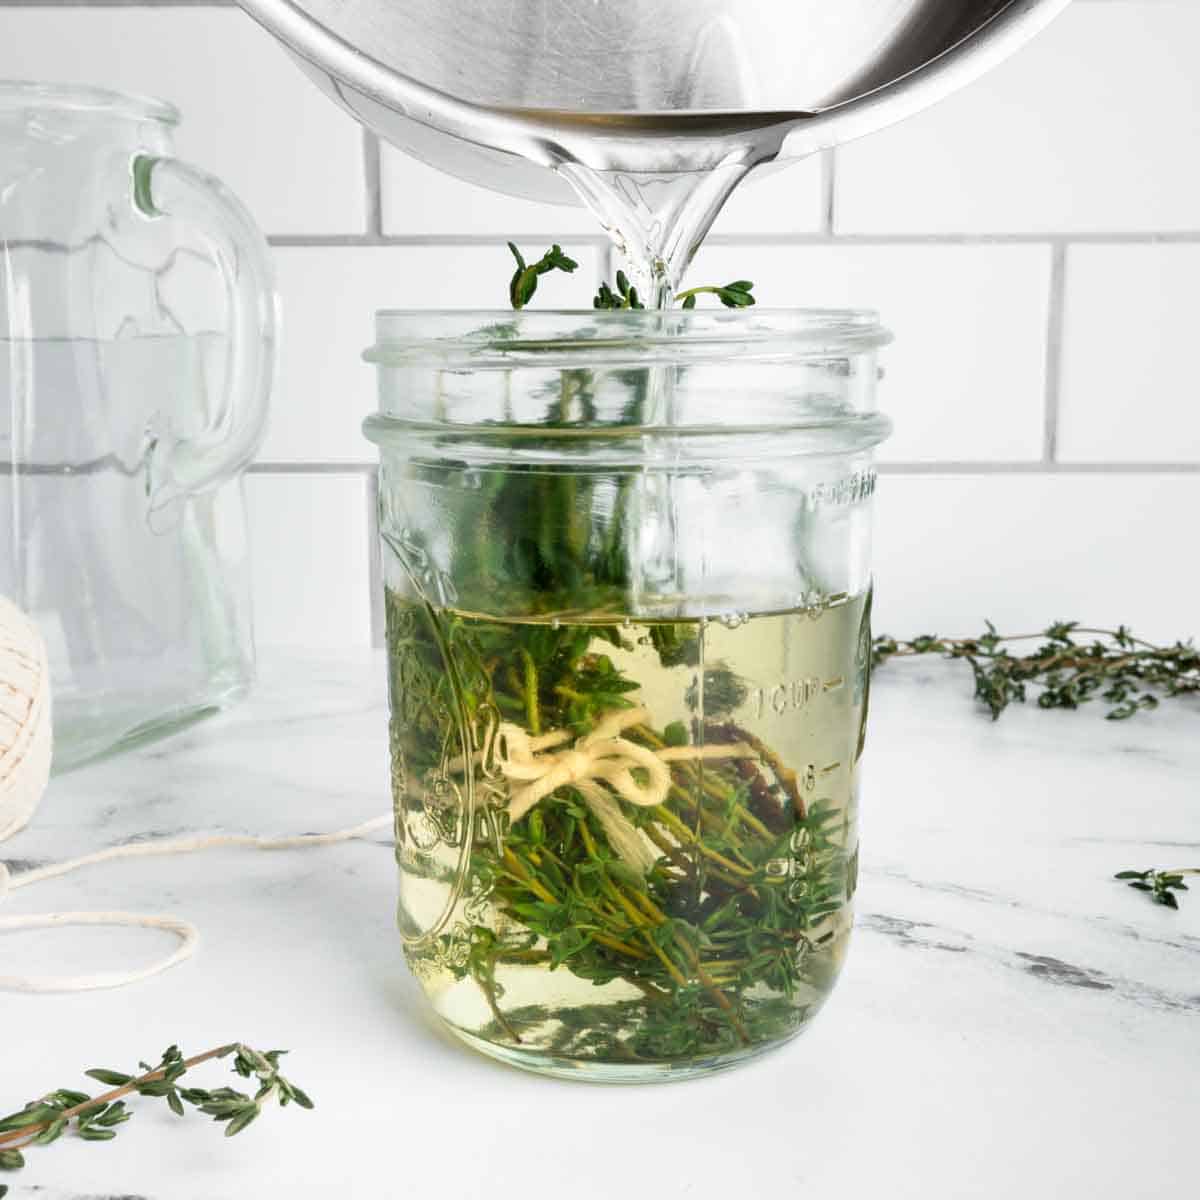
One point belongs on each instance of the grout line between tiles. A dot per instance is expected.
(304, 240)
(949, 467)
(1063, 237)
(312, 467)
(373, 185)
(1054, 352)
(1038, 468)
(828, 191)
(1059, 238)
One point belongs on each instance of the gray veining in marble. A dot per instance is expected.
(1011, 1021)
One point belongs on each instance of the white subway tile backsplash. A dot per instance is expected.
(249, 115)
(789, 199)
(1094, 126)
(420, 200)
(1092, 129)
(965, 378)
(1129, 390)
(329, 296)
(309, 553)
(1025, 550)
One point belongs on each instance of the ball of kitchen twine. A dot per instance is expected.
(25, 745)
(25, 738)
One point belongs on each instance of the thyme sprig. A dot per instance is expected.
(96, 1118)
(1070, 666)
(525, 278)
(624, 296)
(1161, 885)
(523, 285)
(733, 295)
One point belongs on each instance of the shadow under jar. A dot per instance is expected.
(627, 589)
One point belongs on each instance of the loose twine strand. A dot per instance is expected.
(185, 931)
(25, 753)
(534, 766)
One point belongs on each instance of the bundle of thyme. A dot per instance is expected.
(552, 554)
(723, 946)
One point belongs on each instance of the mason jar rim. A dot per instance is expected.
(461, 342)
(22, 93)
(499, 339)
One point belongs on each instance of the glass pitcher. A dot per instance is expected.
(626, 562)
(137, 334)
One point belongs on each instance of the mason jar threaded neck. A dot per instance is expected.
(555, 378)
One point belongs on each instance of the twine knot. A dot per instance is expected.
(535, 767)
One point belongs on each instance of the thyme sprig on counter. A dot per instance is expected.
(523, 285)
(1070, 666)
(1161, 885)
(96, 1118)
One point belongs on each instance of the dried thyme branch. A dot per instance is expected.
(1112, 665)
(1162, 885)
(1126, 672)
(96, 1118)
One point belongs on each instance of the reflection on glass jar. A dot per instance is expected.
(628, 603)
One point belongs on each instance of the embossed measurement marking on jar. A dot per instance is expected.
(800, 845)
(793, 695)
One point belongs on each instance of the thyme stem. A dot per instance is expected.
(29, 1132)
(1130, 673)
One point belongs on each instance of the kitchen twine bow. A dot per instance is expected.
(535, 767)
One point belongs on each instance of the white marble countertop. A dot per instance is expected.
(1011, 1022)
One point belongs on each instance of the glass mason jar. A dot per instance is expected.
(628, 592)
(137, 333)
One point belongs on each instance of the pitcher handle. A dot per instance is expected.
(167, 187)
